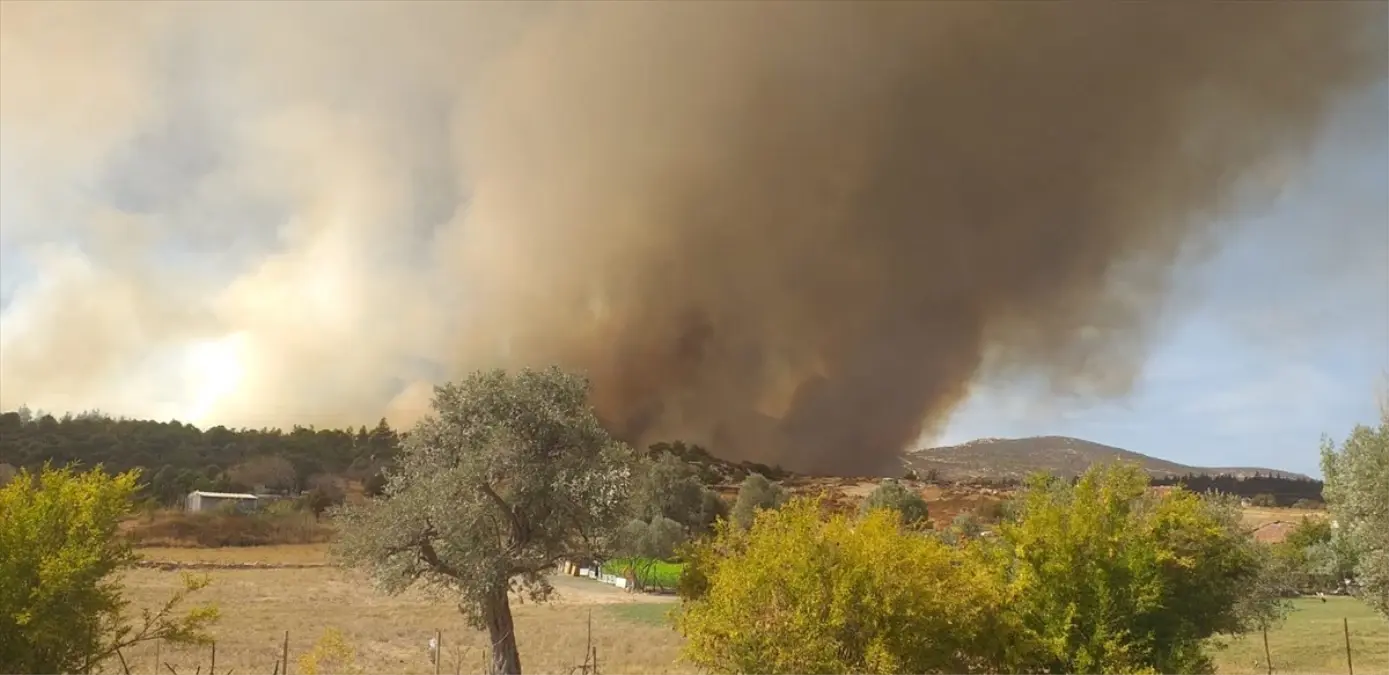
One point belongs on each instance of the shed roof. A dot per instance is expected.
(223, 495)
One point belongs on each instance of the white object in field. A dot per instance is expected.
(433, 649)
(620, 582)
(585, 572)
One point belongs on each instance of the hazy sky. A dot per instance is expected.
(204, 215)
(1276, 347)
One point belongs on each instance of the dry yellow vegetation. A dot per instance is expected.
(391, 634)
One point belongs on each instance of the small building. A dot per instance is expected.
(199, 500)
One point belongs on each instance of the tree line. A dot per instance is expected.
(177, 458)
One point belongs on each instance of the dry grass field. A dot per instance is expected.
(390, 634)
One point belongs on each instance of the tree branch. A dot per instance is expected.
(518, 528)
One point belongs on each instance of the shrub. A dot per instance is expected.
(332, 653)
(798, 594)
(279, 523)
(1265, 501)
(1308, 505)
(61, 604)
(1110, 577)
(897, 497)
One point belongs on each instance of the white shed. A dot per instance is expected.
(198, 500)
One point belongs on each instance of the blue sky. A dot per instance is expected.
(1281, 338)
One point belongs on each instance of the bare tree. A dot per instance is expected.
(510, 474)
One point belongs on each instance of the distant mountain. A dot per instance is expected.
(997, 458)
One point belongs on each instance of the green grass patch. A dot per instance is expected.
(1311, 641)
(644, 613)
(658, 574)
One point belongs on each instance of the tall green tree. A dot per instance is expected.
(669, 487)
(1357, 491)
(61, 605)
(1108, 576)
(510, 474)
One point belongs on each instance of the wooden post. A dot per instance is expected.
(438, 649)
(284, 655)
(212, 669)
(157, 643)
(1345, 627)
(1268, 659)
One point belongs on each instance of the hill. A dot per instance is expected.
(1015, 458)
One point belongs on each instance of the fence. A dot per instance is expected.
(441, 659)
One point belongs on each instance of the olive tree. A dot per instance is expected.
(755, 494)
(668, 487)
(1357, 492)
(509, 474)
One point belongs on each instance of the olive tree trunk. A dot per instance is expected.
(496, 611)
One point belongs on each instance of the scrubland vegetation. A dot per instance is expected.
(513, 475)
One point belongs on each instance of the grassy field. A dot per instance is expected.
(1312, 641)
(660, 573)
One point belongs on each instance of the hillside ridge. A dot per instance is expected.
(997, 458)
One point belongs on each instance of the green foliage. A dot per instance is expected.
(668, 487)
(897, 497)
(178, 458)
(61, 608)
(1109, 577)
(1357, 492)
(1267, 501)
(800, 594)
(657, 539)
(755, 494)
(510, 474)
(650, 573)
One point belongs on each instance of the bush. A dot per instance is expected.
(1111, 577)
(798, 594)
(1309, 505)
(1264, 501)
(279, 523)
(60, 599)
(897, 497)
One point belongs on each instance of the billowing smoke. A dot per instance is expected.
(795, 232)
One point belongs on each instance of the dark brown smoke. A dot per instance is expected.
(795, 232)
(798, 232)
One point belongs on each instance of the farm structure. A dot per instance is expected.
(199, 501)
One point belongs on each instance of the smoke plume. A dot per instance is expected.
(795, 232)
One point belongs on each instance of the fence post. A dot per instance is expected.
(157, 643)
(1345, 627)
(212, 669)
(284, 654)
(1268, 659)
(438, 649)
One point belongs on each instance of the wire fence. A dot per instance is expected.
(1357, 646)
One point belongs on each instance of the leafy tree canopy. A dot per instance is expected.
(1357, 492)
(510, 474)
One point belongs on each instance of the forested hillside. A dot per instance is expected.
(178, 458)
